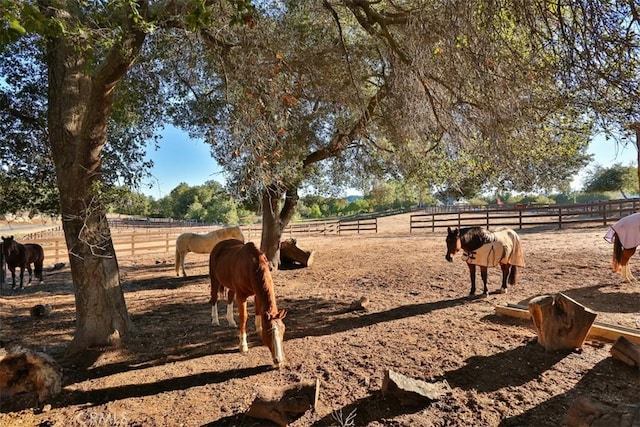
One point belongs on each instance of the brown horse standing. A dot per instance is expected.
(19, 255)
(625, 236)
(244, 270)
(486, 248)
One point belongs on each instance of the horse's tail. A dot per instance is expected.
(178, 261)
(38, 262)
(617, 253)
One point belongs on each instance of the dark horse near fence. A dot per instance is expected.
(486, 248)
(625, 236)
(22, 256)
(244, 270)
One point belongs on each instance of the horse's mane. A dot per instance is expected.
(473, 237)
(264, 276)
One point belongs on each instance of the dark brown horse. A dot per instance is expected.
(625, 236)
(244, 270)
(22, 256)
(485, 248)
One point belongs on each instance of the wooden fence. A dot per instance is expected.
(140, 241)
(528, 216)
(144, 241)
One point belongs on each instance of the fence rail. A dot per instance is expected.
(146, 241)
(155, 239)
(528, 216)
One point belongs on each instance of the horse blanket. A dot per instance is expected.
(628, 229)
(504, 248)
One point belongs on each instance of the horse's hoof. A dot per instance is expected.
(503, 290)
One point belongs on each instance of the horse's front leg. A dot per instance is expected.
(483, 275)
(242, 317)
(13, 278)
(472, 276)
(21, 277)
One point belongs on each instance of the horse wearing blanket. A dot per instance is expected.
(202, 243)
(485, 248)
(625, 236)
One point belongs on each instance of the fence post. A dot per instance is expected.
(459, 220)
(433, 223)
(604, 216)
(488, 225)
(520, 220)
(560, 217)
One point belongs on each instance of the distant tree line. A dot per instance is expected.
(211, 203)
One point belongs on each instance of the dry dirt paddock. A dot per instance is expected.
(178, 370)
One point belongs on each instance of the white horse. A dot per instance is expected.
(202, 243)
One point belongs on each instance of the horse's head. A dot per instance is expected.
(273, 336)
(9, 246)
(453, 243)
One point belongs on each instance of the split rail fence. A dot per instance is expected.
(152, 240)
(527, 216)
(144, 241)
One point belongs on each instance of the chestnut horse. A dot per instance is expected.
(22, 256)
(202, 243)
(244, 270)
(625, 236)
(485, 248)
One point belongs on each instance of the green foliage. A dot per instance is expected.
(617, 178)
(123, 200)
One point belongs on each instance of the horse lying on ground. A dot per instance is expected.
(22, 256)
(625, 236)
(485, 248)
(202, 243)
(244, 270)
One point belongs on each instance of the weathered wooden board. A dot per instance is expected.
(600, 330)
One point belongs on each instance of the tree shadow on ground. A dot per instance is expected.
(595, 299)
(363, 411)
(608, 381)
(101, 396)
(375, 407)
(509, 368)
(318, 317)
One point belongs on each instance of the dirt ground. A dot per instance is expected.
(179, 370)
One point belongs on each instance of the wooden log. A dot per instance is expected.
(25, 370)
(290, 253)
(587, 412)
(561, 323)
(286, 404)
(625, 350)
(410, 391)
(599, 330)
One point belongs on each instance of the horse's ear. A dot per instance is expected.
(449, 230)
(281, 314)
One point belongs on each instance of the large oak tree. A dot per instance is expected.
(456, 95)
(87, 50)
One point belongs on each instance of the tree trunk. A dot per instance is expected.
(274, 220)
(80, 101)
(636, 127)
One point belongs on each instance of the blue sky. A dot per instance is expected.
(181, 159)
